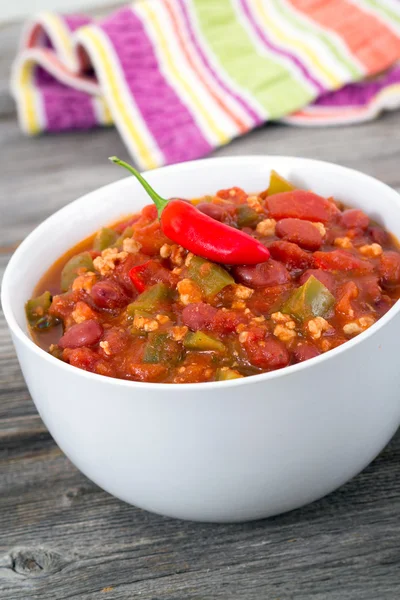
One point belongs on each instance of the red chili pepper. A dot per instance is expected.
(134, 275)
(197, 232)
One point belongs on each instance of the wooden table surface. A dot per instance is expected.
(63, 537)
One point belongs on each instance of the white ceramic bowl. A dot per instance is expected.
(225, 451)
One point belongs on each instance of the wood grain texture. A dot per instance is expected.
(61, 537)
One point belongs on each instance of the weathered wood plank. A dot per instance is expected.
(61, 537)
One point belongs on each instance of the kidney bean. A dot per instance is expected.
(323, 276)
(86, 333)
(302, 233)
(290, 254)
(300, 204)
(267, 354)
(389, 269)
(354, 218)
(305, 351)
(215, 211)
(342, 260)
(265, 274)
(108, 294)
(198, 315)
(379, 235)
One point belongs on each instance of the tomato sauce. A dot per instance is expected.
(129, 303)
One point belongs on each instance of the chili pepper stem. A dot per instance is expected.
(157, 199)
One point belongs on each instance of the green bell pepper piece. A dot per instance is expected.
(127, 233)
(226, 374)
(70, 270)
(210, 278)
(310, 300)
(201, 341)
(36, 310)
(161, 349)
(104, 238)
(246, 216)
(278, 184)
(150, 299)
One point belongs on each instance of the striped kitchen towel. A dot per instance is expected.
(179, 78)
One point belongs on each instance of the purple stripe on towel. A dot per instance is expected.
(167, 118)
(360, 93)
(64, 107)
(73, 22)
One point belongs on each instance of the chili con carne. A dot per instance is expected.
(130, 303)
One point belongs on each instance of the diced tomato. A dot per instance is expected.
(152, 238)
(235, 194)
(347, 292)
(291, 255)
(300, 204)
(389, 269)
(226, 321)
(149, 212)
(83, 358)
(342, 260)
(354, 218)
(267, 353)
(151, 273)
(263, 300)
(302, 233)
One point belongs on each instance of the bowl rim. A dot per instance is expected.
(185, 387)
